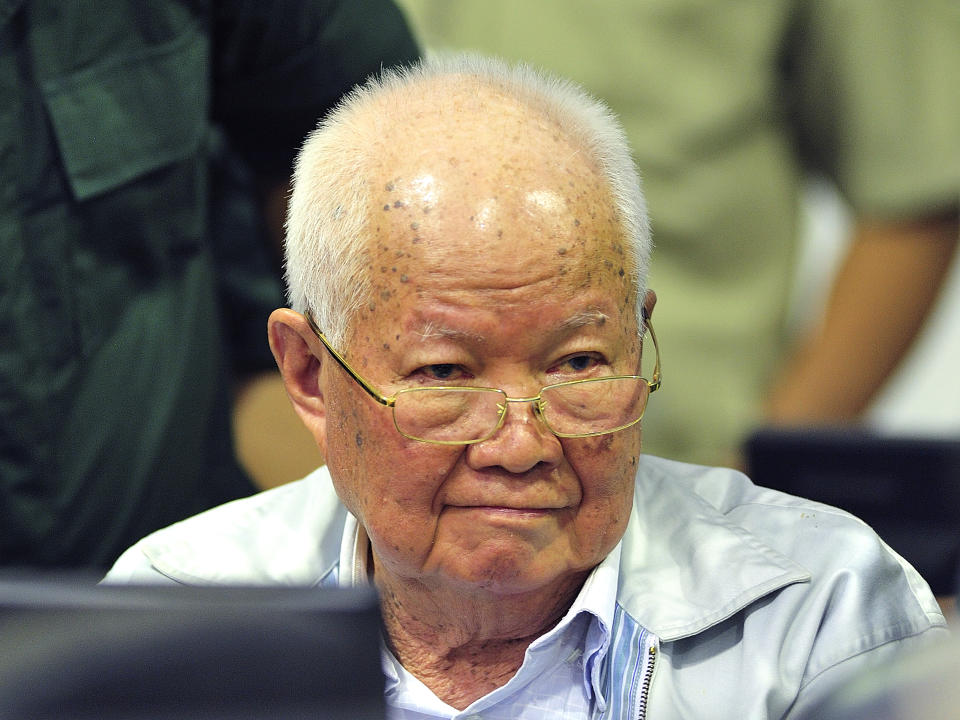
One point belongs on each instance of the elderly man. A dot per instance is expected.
(467, 256)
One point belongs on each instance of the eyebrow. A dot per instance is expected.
(583, 319)
(578, 320)
(433, 330)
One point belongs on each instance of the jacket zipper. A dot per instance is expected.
(644, 695)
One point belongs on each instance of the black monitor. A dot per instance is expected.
(906, 488)
(73, 650)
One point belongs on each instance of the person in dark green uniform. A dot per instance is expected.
(135, 279)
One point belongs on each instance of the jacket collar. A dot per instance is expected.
(289, 535)
(685, 566)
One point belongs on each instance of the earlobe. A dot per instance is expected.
(292, 341)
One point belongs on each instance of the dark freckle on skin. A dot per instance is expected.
(389, 187)
(393, 269)
(471, 218)
(620, 272)
(499, 233)
(414, 226)
(576, 223)
(386, 207)
(386, 346)
(383, 268)
(396, 337)
(385, 295)
(426, 209)
(561, 251)
(608, 264)
(562, 270)
(453, 161)
(398, 204)
(403, 279)
(633, 460)
(416, 239)
(372, 306)
(358, 439)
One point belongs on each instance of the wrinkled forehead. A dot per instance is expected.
(480, 164)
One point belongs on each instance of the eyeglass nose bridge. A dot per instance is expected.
(538, 404)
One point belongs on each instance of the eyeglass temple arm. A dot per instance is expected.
(370, 390)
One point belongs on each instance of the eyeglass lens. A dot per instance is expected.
(463, 415)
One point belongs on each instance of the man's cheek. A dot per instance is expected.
(606, 464)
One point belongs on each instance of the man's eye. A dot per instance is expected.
(443, 371)
(576, 364)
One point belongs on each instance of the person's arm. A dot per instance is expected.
(880, 299)
(272, 444)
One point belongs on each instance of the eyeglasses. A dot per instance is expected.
(457, 415)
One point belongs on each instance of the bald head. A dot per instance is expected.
(470, 149)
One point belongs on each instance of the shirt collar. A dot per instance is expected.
(597, 599)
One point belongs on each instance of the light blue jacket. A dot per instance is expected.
(755, 603)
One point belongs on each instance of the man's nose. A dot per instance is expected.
(522, 442)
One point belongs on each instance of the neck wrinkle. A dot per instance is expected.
(463, 647)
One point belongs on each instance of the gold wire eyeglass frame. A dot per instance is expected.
(390, 401)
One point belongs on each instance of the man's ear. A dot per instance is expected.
(293, 343)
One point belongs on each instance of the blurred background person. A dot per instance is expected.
(730, 107)
(145, 149)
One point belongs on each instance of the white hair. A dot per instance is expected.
(326, 263)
